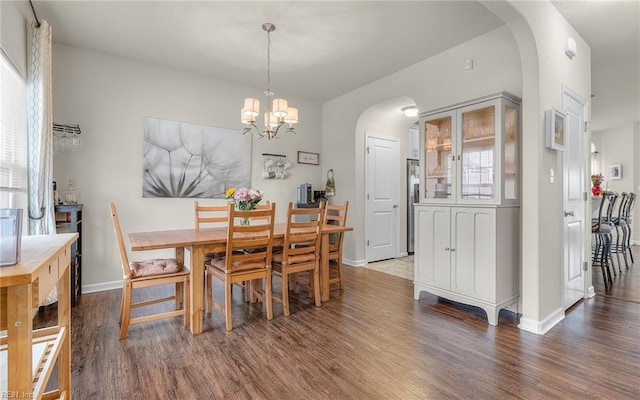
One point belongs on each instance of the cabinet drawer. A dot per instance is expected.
(46, 280)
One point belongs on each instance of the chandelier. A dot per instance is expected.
(278, 114)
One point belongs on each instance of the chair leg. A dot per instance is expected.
(227, 304)
(209, 289)
(606, 255)
(126, 311)
(315, 274)
(618, 248)
(625, 240)
(187, 302)
(340, 279)
(285, 291)
(629, 244)
(267, 296)
(178, 293)
(122, 303)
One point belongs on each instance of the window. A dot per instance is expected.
(13, 136)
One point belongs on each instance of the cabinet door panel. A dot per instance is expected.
(473, 260)
(433, 230)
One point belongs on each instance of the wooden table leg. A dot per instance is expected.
(19, 336)
(64, 319)
(324, 267)
(197, 288)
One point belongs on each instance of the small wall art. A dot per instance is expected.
(305, 157)
(555, 121)
(190, 160)
(615, 172)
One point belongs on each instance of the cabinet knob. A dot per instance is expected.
(446, 248)
(452, 249)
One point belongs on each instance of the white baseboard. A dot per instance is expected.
(354, 263)
(101, 287)
(541, 327)
(591, 292)
(403, 254)
(635, 242)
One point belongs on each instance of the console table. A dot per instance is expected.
(27, 357)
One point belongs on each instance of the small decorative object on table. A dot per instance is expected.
(596, 180)
(245, 199)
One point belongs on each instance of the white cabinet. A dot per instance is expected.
(467, 223)
(468, 255)
(413, 142)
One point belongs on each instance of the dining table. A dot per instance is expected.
(214, 240)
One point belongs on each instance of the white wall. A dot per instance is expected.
(541, 32)
(621, 145)
(109, 97)
(435, 82)
(13, 32)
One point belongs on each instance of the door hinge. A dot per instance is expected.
(367, 150)
(585, 265)
(586, 126)
(367, 242)
(367, 196)
(586, 196)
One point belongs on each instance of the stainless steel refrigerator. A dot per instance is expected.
(413, 190)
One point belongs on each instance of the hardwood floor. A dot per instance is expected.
(371, 342)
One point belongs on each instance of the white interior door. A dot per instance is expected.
(382, 191)
(575, 218)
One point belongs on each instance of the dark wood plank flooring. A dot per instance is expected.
(371, 342)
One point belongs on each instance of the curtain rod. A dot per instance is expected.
(34, 14)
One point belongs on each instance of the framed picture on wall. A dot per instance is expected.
(615, 172)
(305, 157)
(555, 121)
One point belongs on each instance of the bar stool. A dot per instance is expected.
(620, 225)
(601, 229)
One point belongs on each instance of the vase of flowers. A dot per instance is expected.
(596, 181)
(244, 199)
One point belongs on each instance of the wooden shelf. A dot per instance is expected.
(479, 139)
(46, 345)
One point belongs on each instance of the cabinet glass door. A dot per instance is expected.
(510, 153)
(438, 165)
(478, 152)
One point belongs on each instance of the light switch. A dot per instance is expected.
(551, 175)
(468, 64)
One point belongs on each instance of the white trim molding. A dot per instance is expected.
(354, 263)
(101, 287)
(541, 327)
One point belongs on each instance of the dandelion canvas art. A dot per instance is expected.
(190, 160)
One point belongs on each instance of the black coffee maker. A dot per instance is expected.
(319, 195)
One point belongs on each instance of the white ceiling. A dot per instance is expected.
(321, 50)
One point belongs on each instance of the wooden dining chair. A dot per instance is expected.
(300, 251)
(247, 258)
(336, 215)
(153, 272)
(210, 217)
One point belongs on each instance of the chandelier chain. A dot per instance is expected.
(268, 61)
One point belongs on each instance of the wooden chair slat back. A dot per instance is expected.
(303, 236)
(126, 271)
(336, 215)
(250, 243)
(210, 215)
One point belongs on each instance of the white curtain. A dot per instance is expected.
(40, 135)
(40, 129)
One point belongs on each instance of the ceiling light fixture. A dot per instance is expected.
(410, 111)
(278, 111)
